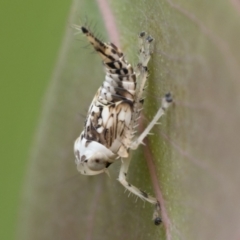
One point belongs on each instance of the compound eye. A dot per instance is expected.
(96, 164)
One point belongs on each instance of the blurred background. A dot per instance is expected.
(31, 34)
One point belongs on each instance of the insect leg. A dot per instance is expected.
(122, 179)
(166, 101)
(136, 191)
(144, 57)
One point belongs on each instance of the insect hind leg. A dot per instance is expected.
(144, 57)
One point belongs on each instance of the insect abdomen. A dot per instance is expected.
(120, 80)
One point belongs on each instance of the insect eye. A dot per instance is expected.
(96, 164)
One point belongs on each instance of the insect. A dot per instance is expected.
(110, 126)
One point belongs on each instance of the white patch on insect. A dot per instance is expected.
(110, 126)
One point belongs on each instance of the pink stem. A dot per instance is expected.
(109, 21)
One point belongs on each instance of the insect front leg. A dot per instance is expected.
(136, 191)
